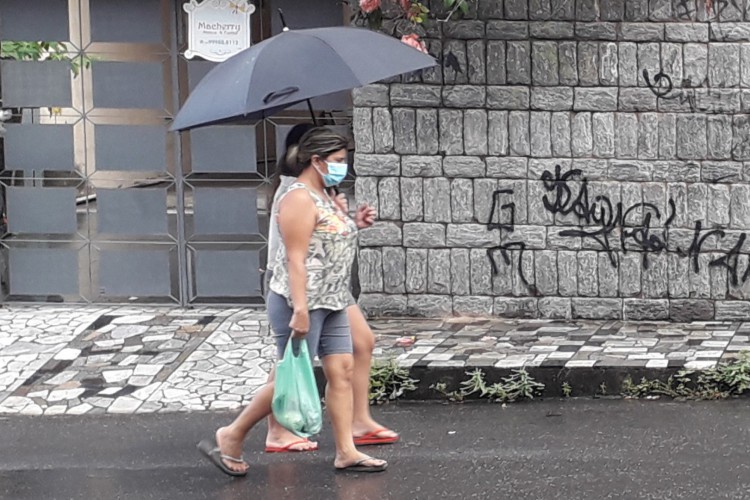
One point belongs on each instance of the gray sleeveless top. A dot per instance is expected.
(330, 256)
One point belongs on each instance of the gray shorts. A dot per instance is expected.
(329, 330)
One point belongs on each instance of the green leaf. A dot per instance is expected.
(464, 6)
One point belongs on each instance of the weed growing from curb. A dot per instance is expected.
(567, 390)
(388, 381)
(519, 385)
(721, 382)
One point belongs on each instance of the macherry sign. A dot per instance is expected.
(218, 29)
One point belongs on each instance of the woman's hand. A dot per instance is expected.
(365, 216)
(341, 202)
(300, 323)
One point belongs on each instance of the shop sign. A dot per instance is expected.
(217, 29)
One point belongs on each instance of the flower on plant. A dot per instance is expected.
(369, 6)
(412, 40)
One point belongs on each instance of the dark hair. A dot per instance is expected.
(319, 141)
(282, 165)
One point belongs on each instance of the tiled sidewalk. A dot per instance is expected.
(79, 360)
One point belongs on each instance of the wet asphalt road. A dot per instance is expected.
(545, 450)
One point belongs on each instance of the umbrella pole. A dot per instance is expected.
(312, 113)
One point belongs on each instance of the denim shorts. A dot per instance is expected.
(329, 330)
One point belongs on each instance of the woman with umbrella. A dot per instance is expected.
(308, 299)
(366, 430)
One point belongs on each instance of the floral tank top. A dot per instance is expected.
(333, 246)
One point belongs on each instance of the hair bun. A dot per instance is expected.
(292, 156)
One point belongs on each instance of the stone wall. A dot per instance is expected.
(584, 159)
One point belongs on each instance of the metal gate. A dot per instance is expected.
(102, 203)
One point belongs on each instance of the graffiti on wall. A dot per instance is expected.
(640, 227)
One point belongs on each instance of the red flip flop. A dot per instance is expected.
(288, 448)
(372, 438)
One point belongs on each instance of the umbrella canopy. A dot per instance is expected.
(292, 67)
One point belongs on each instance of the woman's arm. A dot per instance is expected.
(297, 217)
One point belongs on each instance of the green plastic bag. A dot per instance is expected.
(296, 401)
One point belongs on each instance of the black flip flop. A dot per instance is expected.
(359, 467)
(211, 451)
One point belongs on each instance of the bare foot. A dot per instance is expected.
(230, 446)
(282, 439)
(360, 429)
(342, 462)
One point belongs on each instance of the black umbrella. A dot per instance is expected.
(293, 67)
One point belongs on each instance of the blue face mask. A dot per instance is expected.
(336, 174)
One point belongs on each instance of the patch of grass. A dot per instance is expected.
(721, 382)
(567, 390)
(389, 381)
(519, 385)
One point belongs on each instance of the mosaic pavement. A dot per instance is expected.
(87, 360)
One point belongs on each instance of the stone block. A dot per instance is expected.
(519, 63)
(464, 29)
(422, 166)
(676, 171)
(719, 131)
(496, 71)
(745, 66)
(463, 166)
(551, 30)
(741, 138)
(370, 266)
(451, 131)
(539, 127)
(481, 272)
(648, 136)
(597, 308)
(366, 191)
(732, 310)
(695, 64)
(567, 271)
(389, 196)
(630, 268)
(691, 310)
(423, 235)
(462, 200)
(472, 306)
(645, 310)
(507, 168)
(633, 99)
(377, 164)
(490, 9)
(626, 135)
(404, 129)
(456, 73)
(471, 236)
(483, 192)
(568, 55)
(381, 234)
(596, 31)
(718, 206)
(660, 10)
(679, 268)
(378, 305)
(564, 10)
(416, 270)
(586, 10)
(438, 271)
(560, 134)
(460, 266)
(370, 95)
(687, 32)
(394, 270)
(513, 98)
(723, 67)
(588, 64)
(582, 141)
(412, 204)
(518, 127)
(464, 96)
(649, 59)
(497, 133)
(514, 9)
(608, 64)
(427, 131)
(636, 10)
(627, 64)
(475, 131)
(429, 306)
(362, 125)
(414, 95)
(588, 285)
(603, 127)
(555, 308)
(667, 136)
(654, 277)
(630, 170)
(382, 130)
(545, 266)
(641, 32)
(540, 9)
(671, 61)
(507, 30)
(437, 203)
(525, 307)
(535, 238)
(691, 137)
(551, 98)
(476, 58)
(739, 206)
(612, 10)
(545, 67)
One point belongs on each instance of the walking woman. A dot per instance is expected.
(308, 299)
(366, 430)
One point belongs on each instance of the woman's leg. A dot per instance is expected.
(364, 342)
(229, 439)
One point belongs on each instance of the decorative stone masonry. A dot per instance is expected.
(568, 159)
